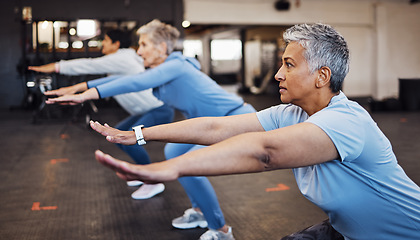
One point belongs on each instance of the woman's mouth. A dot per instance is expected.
(282, 89)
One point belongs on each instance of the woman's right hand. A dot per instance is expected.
(114, 135)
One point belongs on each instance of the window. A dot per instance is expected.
(193, 48)
(226, 49)
(76, 34)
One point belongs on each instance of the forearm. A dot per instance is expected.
(197, 131)
(134, 83)
(178, 132)
(80, 87)
(304, 144)
(47, 68)
(90, 94)
(203, 131)
(244, 153)
(295, 146)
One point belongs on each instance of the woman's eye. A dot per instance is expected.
(289, 64)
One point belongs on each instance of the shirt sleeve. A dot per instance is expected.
(99, 81)
(99, 65)
(282, 115)
(151, 78)
(122, 62)
(268, 119)
(345, 129)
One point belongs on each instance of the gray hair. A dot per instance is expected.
(159, 32)
(324, 46)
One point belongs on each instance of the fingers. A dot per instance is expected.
(51, 93)
(112, 135)
(150, 173)
(99, 128)
(65, 100)
(60, 101)
(123, 169)
(104, 130)
(51, 101)
(95, 125)
(107, 160)
(34, 68)
(110, 162)
(111, 139)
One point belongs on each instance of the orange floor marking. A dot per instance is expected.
(64, 136)
(54, 161)
(280, 187)
(36, 207)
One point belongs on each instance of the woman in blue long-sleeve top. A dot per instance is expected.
(178, 82)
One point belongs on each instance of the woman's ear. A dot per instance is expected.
(163, 48)
(324, 77)
(116, 45)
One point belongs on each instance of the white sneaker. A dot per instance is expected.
(217, 235)
(148, 190)
(134, 183)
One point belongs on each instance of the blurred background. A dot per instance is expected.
(238, 42)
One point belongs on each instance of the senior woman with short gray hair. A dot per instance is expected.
(341, 160)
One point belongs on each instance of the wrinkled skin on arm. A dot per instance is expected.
(299, 145)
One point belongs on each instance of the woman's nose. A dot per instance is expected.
(279, 75)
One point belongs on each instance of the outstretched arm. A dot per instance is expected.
(80, 87)
(47, 68)
(299, 145)
(203, 131)
(89, 88)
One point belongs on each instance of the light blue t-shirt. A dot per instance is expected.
(365, 193)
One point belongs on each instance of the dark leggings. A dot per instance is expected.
(321, 231)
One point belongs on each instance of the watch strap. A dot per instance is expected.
(139, 134)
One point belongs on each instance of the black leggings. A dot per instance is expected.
(321, 231)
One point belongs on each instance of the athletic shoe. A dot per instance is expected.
(217, 235)
(190, 219)
(134, 183)
(148, 190)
